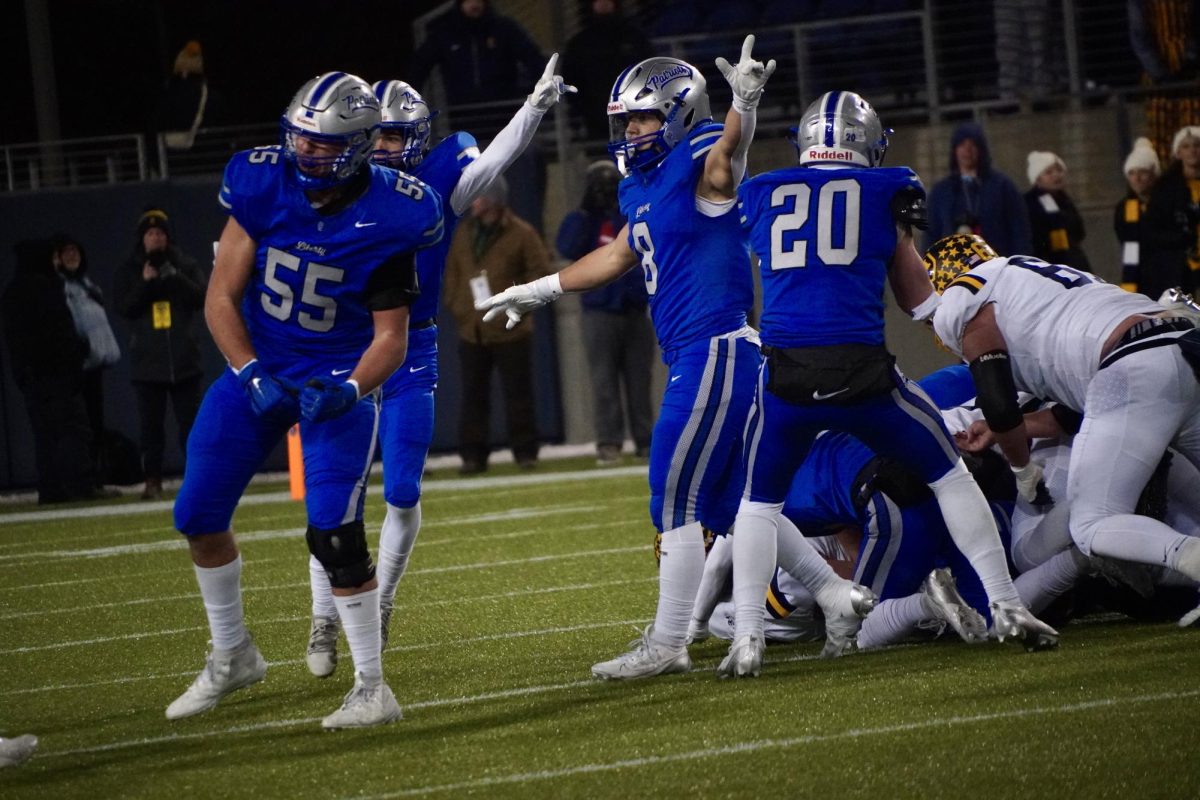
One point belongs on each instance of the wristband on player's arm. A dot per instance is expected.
(995, 391)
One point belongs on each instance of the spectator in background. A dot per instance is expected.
(594, 57)
(1054, 221)
(47, 364)
(480, 54)
(185, 99)
(1025, 54)
(1141, 171)
(975, 198)
(86, 303)
(617, 331)
(492, 249)
(1171, 227)
(160, 290)
(1163, 34)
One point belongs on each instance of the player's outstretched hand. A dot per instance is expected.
(320, 401)
(271, 397)
(747, 78)
(550, 87)
(517, 301)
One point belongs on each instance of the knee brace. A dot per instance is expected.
(343, 553)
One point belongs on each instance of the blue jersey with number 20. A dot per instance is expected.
(824, 239)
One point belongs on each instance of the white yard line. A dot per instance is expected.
(427, 488)
(692, 755)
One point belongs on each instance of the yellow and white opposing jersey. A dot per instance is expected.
(1055, 320)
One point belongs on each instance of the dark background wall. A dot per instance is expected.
(104, 220)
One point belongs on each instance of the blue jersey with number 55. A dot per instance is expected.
(311, 295)
(824, 239)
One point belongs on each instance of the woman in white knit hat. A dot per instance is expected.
(1141, 171)
(1054, 221)
(1171, 227)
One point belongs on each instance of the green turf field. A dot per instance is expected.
(517, 585)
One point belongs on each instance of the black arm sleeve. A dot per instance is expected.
(908, 208)
(996, 391)
(393, 283)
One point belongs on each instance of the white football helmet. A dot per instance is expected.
(338, 109)
(403, 109)
(840, 128)
(672, 89)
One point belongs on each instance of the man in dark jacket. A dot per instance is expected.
(593, 58)
(47, 363)
(1171, 227)
(478, 52)
(160, 290)
(976, 198)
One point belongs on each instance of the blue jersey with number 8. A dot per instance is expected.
(308, 301)
(824, 239)
(697, 268)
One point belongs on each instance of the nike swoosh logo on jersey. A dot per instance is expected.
(417, 369)
(364, 224)
(820, 396)
(677, 377)
(337, 372)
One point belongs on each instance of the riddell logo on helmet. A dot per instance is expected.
(616, 107)
(829, 155)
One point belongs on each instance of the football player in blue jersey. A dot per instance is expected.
(828, 234)
(459, 172)
(682, 172)
(309, 303)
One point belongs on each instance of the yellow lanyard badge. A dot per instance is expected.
(162, 315)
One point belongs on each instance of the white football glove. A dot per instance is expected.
(747, 78)
(1030, 486)
(517, 301)
(550, 87)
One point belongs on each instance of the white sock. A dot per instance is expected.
(754, 557)
(1050, 579)
(221, 589)
(973, 529)
(396, 540)
(679, 574)
(1131, 537)
(891, 622)
(360, 621)
(715, 580)
(800, 559)
(322, 592)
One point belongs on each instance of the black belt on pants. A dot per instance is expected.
(1141, 336)
(422, 325)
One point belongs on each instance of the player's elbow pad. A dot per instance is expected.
(995, 391)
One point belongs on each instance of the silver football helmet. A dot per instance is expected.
(840, 128)
(338, 114)
(404, 110)
(672, 89)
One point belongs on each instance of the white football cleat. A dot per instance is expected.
(224, 671)
(322, 654)
(1013, 620)
(646, 658)
(17, 750)
(366, 705)
(697, 632)
(940, 598)
(385, 619)
(1190, 618)
(745, 658)
(844, 616)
